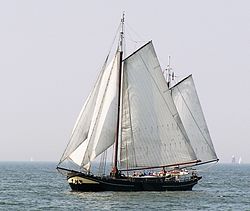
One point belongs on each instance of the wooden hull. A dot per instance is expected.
(85, 183)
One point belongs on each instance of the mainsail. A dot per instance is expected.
(94, 131)
(152, 133)
(189, 108)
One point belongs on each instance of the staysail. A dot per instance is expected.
(152, 133)
(95, 128)
(189, 108)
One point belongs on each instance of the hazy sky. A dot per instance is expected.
(51, 53)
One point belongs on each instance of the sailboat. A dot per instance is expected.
(156, 133)
(240, 160)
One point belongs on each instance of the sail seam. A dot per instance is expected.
(131, 126)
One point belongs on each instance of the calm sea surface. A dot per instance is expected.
(38, 186)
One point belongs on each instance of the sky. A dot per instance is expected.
(52, 51)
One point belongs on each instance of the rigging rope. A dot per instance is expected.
(130, 28)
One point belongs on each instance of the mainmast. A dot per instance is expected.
(120, 52)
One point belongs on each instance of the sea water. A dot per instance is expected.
(38, 186)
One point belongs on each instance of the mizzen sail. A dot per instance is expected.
(189, 108)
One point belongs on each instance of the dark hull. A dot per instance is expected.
(82, 182)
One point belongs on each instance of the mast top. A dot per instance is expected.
(122, 33)
(168, 72)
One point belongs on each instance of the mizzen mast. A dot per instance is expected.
(120, 52)
(168, 73)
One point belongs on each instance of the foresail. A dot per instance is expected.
(152, 133)
(95, 128)
(103, 127)
(76, 147)
(187, 103)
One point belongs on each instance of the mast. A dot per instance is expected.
(120, 50)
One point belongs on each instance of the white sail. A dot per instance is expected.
(152, 134)
(240, 160)
(103, 126)
(94, 130)
(187, 103)
(82, 125)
